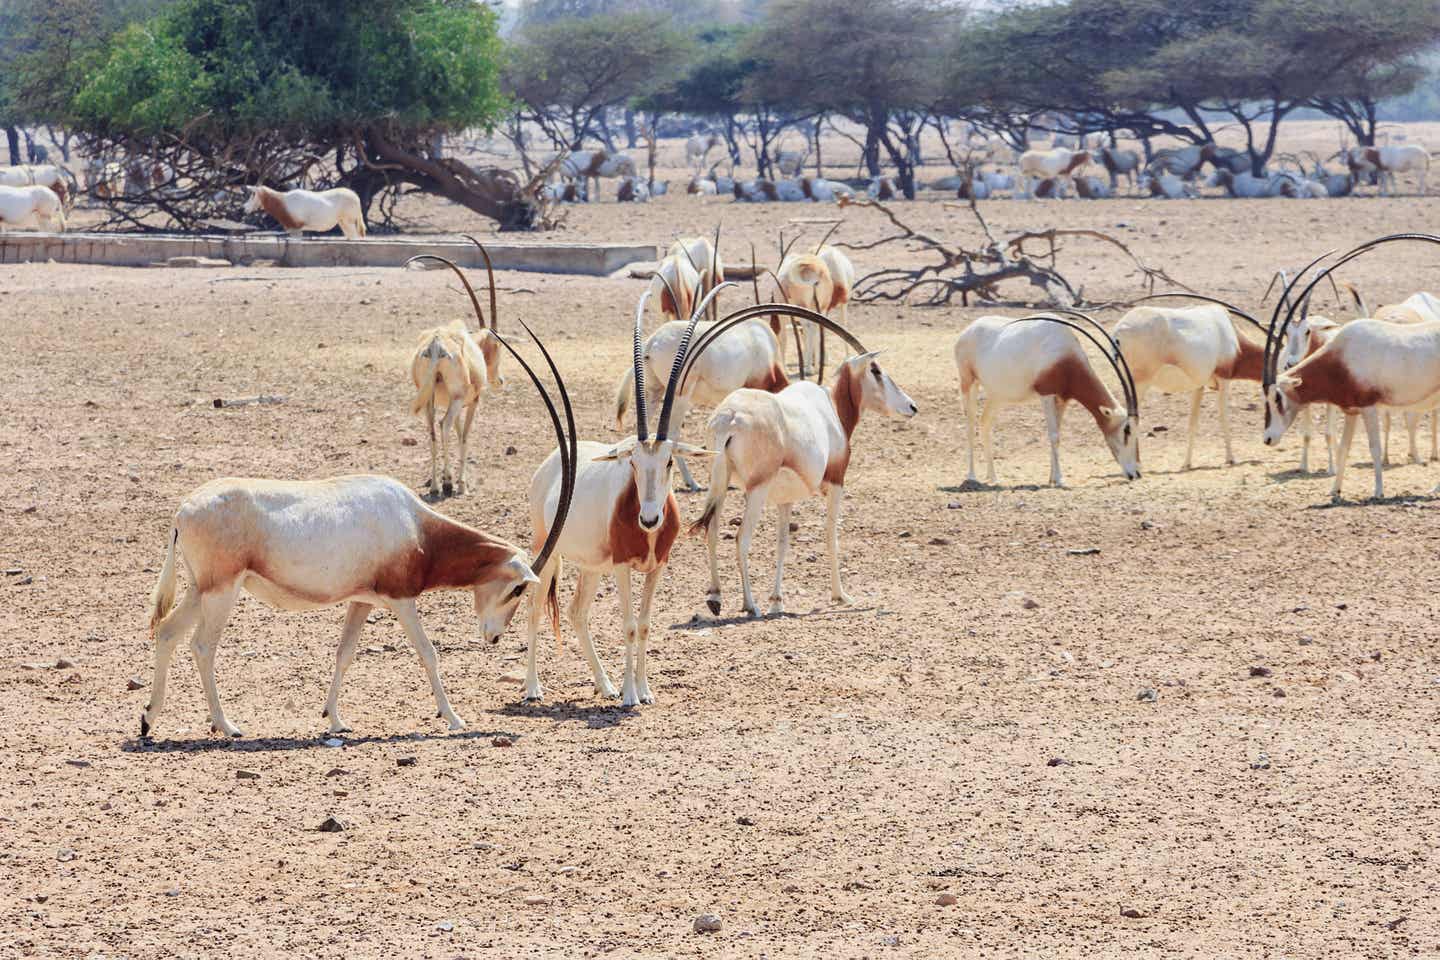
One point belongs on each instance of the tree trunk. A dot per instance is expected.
(499, 200)
(819, 169)
(871, 154)
(731, 141)
(630, 139)
(12, 138)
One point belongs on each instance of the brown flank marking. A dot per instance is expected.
(1324, 378)
(1071, 378)
(274, 204)
(846, 395)
(772, 380)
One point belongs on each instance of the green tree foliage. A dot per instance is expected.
(257, 86)
(568, 72)
(875, 61)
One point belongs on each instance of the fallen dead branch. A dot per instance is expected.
(980, 271)
(265, 398)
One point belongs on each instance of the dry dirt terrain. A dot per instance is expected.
(972, 726)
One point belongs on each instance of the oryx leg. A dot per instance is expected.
(719, 488)
(1222, 391)
(1342, 454)
(434, 463)
(1412, 427)
(987, 437)
(167, 634)
(1372, 431)
(835, 499)
(777, 596)
(754, 507)
(451, 412)
(1052, 432)
(971, 396)
(642, 668)
(678, 412)
(462, 433)
(539, 595)
(586, 585)
(1330, 441)
(215, 609)
(409, 618)
(1196, 396)
(1306, 418)
(629, 690)
(355, 615)
(1385, 453)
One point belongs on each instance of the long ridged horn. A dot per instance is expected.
(642, 427)
(662, 430)
(1215, 300)
(474, 300)
(489, 272)
(1115, 359)
(730, 321)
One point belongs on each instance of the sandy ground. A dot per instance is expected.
(818, 780)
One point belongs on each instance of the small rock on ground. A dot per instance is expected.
(708, 923)
(333, 825)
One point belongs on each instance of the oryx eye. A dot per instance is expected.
(875, 369)
(515, 594)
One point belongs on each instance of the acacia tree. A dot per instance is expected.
(874, 61)
(225, 92)
(567, 73)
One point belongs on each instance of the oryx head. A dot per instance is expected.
(252, 199)
(652, 459)
(877, 392)
(1120, 428)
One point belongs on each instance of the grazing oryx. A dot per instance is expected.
(42, 175)
(1422, 307)
(821, 281)
(1119, 163)
(25, 207)
(359, 540)
(704, 258)
(1307, 335)
(676, 285)
(698, 148)
(1041, 165)
(626, 520)
(1388, 161)
(1032, 358)
(1366, 366)
(788, 446)
(1186, 350)
(587, 165)
(300, 210)
(450, 369)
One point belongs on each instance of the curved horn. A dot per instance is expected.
(733, 320)
(474, 300)
(1116, 361)
(785, 247)
(1215, 300)
(715, 268)
(1284, 279)
(569, 454)
(660, 275)
(662, 430)
(1361, 250)
(828, 234)
(642, 427)
(1274, 339)
(489, 272)
(1132, 395)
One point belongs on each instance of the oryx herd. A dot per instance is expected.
(610, 509)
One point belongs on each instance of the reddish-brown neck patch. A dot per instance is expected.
(767, 187)
(1071, 378)
(450, 555)
(807, 188)
(1076, 162)
(274, 204)
(597, 160)
(772, 381)
(1324, 378)
(632, 544)
(1249, 362)
(846, 395)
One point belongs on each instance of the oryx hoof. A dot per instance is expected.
(777, 606)
(752, 609)
(714, 604)
(447, 488)
(144, 725)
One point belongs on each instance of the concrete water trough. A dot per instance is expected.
(143, 250)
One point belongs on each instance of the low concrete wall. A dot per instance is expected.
(141, 250)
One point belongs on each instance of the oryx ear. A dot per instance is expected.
(621, 450)
(865, 358)
(1288, 382)
(690, 450)
(1111, 414)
